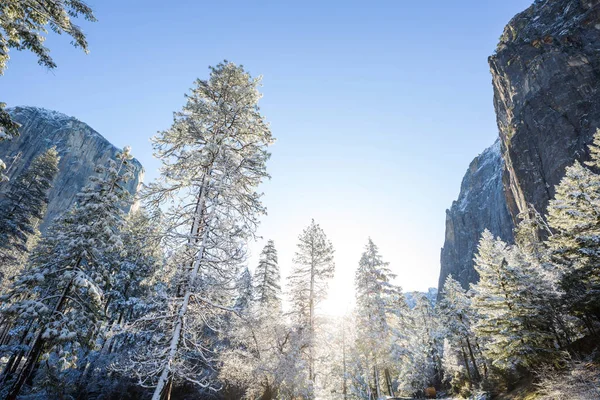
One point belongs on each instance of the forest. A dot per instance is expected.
(149, 294)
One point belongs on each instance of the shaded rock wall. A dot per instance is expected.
(481, 204)
(546, 79)
(79, 146)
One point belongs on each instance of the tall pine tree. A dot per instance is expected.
(267, 278)
(313, 267)
(377, 299)
(214, 157)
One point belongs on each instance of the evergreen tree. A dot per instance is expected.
(512, 309)
(22, 210)
(139, 271)
(267, 278)
(376, 300)
(23, 24)
(456, 319)
(313, 267)
(8, 129)
(575, 250)
(537, 257)
(245, 292)
(214, 157)
(60, 298)
(263, 358)
(421, 365)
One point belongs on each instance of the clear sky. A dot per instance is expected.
(378, 106)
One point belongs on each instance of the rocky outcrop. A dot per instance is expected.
(481, 205)
(79, 146)
(546, 78)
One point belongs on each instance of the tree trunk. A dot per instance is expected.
(475, 368)
(36, 350)
(345, 386)
(311, 367)
(388, 380)
(164, 385)
(466, 360)
(376, 378)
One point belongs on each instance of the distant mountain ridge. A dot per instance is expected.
(411, 297)
(80, 147)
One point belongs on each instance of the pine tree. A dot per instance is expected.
(263, 357)
(23, 24)
(512, 310)
(456, 318)
(575, 249)
(139, 273)
(376, 300)
(313, 267)
(60, 298)
(214, 157)
(422, 362)
(8, 130)
(245, 292)
(267, 278)
(21, 212)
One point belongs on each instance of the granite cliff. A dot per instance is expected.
(79, 146)
(546, 81)
(481, 204)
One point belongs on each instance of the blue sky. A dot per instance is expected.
(378, 106)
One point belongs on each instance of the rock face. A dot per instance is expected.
(546, 78)
(79, 146)
(481, 204)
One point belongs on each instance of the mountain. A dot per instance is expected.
(80, 148)
(546, 81)
(411, 297)
(481, 204)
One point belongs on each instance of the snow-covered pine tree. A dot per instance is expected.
(21, 211)
(307, 284)
(575, 249)
(538, 258)
(376, 300)
(214, 158)
(512, 310)
(334, 342)
(8, 129)
(267, 286)
(23, 24)
(139, 267)
(421, 364)
(456, 318)
(263, 357)
(58, 301)
(245, 291)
